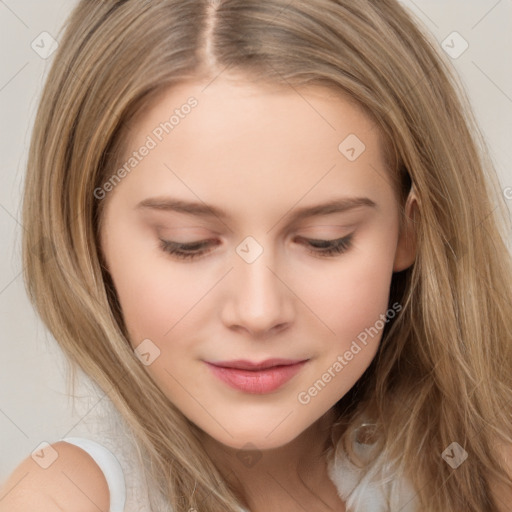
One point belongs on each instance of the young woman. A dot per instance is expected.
(271, 233)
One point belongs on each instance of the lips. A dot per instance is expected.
(243, 364)
(256, 378)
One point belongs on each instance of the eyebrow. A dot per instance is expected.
(203, 210)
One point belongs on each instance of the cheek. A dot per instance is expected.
(153, 298)
(351, 302)
(353, 295)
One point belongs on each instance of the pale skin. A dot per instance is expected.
(259, 153)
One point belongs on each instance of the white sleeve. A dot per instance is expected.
(110, 466)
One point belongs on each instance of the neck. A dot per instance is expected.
(253, 474)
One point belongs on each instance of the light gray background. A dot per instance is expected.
(34, 406)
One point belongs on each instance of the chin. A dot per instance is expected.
(257, 437)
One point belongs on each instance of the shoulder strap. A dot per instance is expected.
(110, 466)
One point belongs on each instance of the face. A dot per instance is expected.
(256, 223)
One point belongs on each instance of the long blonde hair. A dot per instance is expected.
(443, 371)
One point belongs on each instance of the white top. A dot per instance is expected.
(368, 496)
(110, 466)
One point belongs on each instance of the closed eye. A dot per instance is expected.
(190, 251)
(327, 248)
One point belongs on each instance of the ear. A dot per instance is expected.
(405, 254)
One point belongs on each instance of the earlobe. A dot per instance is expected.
(406, 247)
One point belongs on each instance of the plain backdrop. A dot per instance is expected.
(34, 405)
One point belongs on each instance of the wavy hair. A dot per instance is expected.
(443, 370)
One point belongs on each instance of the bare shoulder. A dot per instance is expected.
(72, 482)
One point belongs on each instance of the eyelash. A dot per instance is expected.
(328, 248)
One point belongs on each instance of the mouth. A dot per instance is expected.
(243, 364)
(256, 378)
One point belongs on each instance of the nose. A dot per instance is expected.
(258, 300)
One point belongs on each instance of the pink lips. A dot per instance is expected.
(257, 378)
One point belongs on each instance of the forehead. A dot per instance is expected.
(255, 141)
(228, 103)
